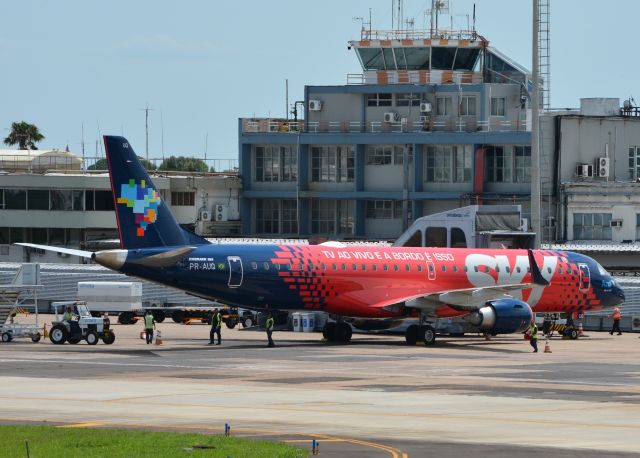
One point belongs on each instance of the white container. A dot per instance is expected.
(308, 322)
(296, 319)
(110, 296)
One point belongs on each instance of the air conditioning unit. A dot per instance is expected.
(635, 323)
(584, 170)
(425, 107)
(205, 215)
(222, 212)
(315, 105)
(390, 116)
(616, 223)
(603, 167)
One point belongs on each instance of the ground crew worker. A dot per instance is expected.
(149, 326)
(533, 339)
(68, 314)
(268, 326)
(216, 325)
(616, 315)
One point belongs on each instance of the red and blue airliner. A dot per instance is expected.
(496, 290)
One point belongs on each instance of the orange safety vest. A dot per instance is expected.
(616, 314)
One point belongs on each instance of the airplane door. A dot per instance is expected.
(431, 270)
(585, 278)
(235, 271)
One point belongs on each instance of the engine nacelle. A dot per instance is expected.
(504, 316)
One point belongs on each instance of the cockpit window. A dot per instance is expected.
(601, 270)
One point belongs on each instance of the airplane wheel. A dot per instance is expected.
(343, 333)
(429, 334)
(412, 334)
(329, 331)
(178, 316)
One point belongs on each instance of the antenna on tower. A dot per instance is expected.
(146, 128)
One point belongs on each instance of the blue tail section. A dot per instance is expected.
(144, 220)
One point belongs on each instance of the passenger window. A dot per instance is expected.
(549, 269)
(334, 267)
(475, 268)
(444, 268)
(486, 269)
(254, 265)
(508, 269)
(528, 269)
(344, 267)
(385, 267)
(323, 267)
(518, 269)
(465, 268)
(407, 267)
(276, 266)
(374, 267)
(560, 270)
(395, 267)
(265, 265)
(431, 268)
(497, 268)
(455, 268)
(419, 268)
(310, 266)
(354, 267)
(364, 267)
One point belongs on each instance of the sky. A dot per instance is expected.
(199, 65)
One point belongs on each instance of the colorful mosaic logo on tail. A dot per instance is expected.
(143, 201)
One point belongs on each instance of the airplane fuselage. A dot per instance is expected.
(375, 281)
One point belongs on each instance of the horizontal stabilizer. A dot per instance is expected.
(81, 253)
(164, 259)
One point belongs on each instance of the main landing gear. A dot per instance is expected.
(337, 332)
(420, 333)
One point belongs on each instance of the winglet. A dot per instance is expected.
(538, 279)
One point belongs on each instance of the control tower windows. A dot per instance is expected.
(467, 105)
(498, 105)
(443, 106)
(379, 100)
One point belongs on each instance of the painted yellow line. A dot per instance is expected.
(89, 424)
(306, 441)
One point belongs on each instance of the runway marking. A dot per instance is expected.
(89, 424)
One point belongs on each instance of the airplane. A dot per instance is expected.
(496, 290)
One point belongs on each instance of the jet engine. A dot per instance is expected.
(503, 316)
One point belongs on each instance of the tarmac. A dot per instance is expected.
(375, 397)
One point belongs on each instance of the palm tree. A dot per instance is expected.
(24, 134)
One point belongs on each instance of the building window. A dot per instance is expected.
(592, 226)
(38, 199)
(276, 216)
(408, 100)
(183, 199)
(98, 200)
(276, 163)
(15, 199)
(383, 209)
(387, 155)
(332, 163)
(637, 227)
(446, 164)
(498, 106)
(522, 158)
(467, 105)
(499, 164)
(332, 217)
(634, 163)
(379, 100)
(443, 106)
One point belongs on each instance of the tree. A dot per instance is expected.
(184, 164)
(24, 134)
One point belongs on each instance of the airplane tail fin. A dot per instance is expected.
(144, 219)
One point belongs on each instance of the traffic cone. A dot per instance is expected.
(159, 338)
(45, 333)
(580, 330)
(547, 346)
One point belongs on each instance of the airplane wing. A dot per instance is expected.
(81, 253)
